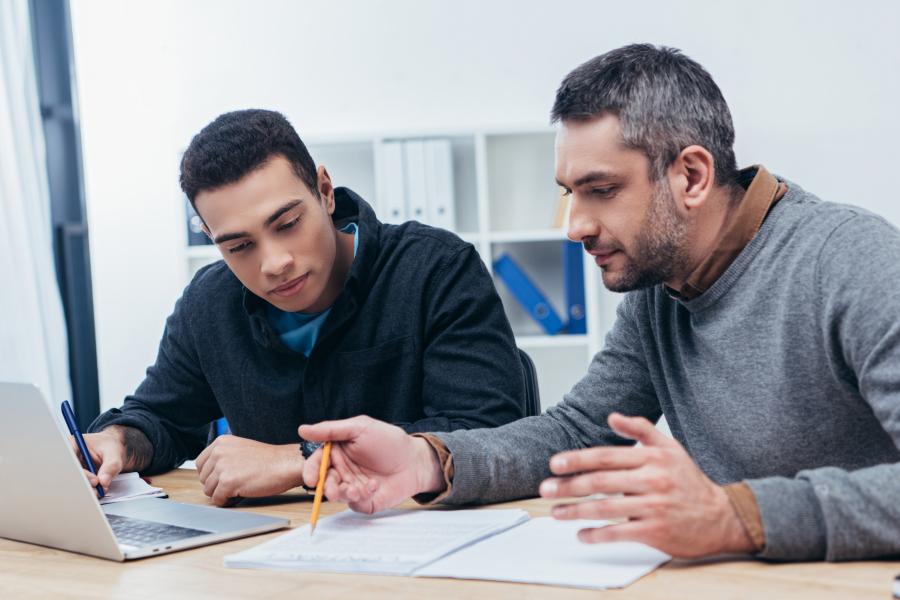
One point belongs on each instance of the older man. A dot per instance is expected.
(761, 321)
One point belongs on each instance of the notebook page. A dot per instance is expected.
(393, 542)
(546, 551)
(128, 486)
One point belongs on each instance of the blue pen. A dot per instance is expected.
(69, 416)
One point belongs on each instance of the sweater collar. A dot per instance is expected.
(763, 190)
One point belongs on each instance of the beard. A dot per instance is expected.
(659, 250)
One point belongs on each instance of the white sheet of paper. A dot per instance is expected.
(547, 551)
(394, 542)
(128, 486)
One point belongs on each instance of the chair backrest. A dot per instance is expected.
(532, 393)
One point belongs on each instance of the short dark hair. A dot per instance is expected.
(664, 100)
(239, 142)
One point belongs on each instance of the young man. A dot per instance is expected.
(761, 321)
(318, 311)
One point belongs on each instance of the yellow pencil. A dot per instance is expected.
(320, 487)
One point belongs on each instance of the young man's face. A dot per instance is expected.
(629, 224)
(276, 235)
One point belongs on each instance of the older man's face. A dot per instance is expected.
(626, 222)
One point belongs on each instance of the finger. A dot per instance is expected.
(333, 490)
(364, 503)
(92, 479)
(337, 463)
(372, 500)
(208, 468)
(596, 482)
(223, 493)
(335, 431)
(638, 428)
(346, 468)
(632, 531)
(109, 468)
(204, 456)
(360, 489)
(352, 492)
(366, 507)
(210, 484)
(615, 507)
(601, 458)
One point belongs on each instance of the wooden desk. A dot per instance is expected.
(28, 571)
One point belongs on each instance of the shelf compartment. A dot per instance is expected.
(350, 165)
(528, 235)
(542, 262)
(522, 191)
(562, 340)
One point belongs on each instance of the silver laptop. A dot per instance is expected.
(47, 500)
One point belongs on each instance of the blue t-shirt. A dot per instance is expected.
(299, 331)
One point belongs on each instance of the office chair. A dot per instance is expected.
(532, 393)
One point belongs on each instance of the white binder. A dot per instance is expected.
(394, 203)
(439, 176)
(416, 184)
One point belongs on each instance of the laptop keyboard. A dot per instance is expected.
(137, 532)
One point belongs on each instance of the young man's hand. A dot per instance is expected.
(108, 453)
(667, 502)
(235, 467)
(374, 466)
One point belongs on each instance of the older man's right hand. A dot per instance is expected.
(374, 466)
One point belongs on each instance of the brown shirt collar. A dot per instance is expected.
(763, 191)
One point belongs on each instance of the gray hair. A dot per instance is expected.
(664, 100)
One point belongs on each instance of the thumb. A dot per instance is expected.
(637, 428)
(346, 430)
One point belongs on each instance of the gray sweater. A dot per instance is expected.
(785, 373)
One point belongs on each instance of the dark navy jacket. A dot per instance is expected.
(418, 337)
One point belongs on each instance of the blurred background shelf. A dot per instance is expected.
(528, 235)
(204, 252)
(562, 340)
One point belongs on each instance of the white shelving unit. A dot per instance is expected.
(504, 201)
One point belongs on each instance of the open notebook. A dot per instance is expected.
(128, 486)
(499, 545)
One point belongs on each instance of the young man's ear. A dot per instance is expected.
(692, 176)
(325, 188)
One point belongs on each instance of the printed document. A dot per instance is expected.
(497, 545)
(546, 551)
(395, 542)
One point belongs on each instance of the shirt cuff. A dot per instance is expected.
(744, 503)
(446, 461)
